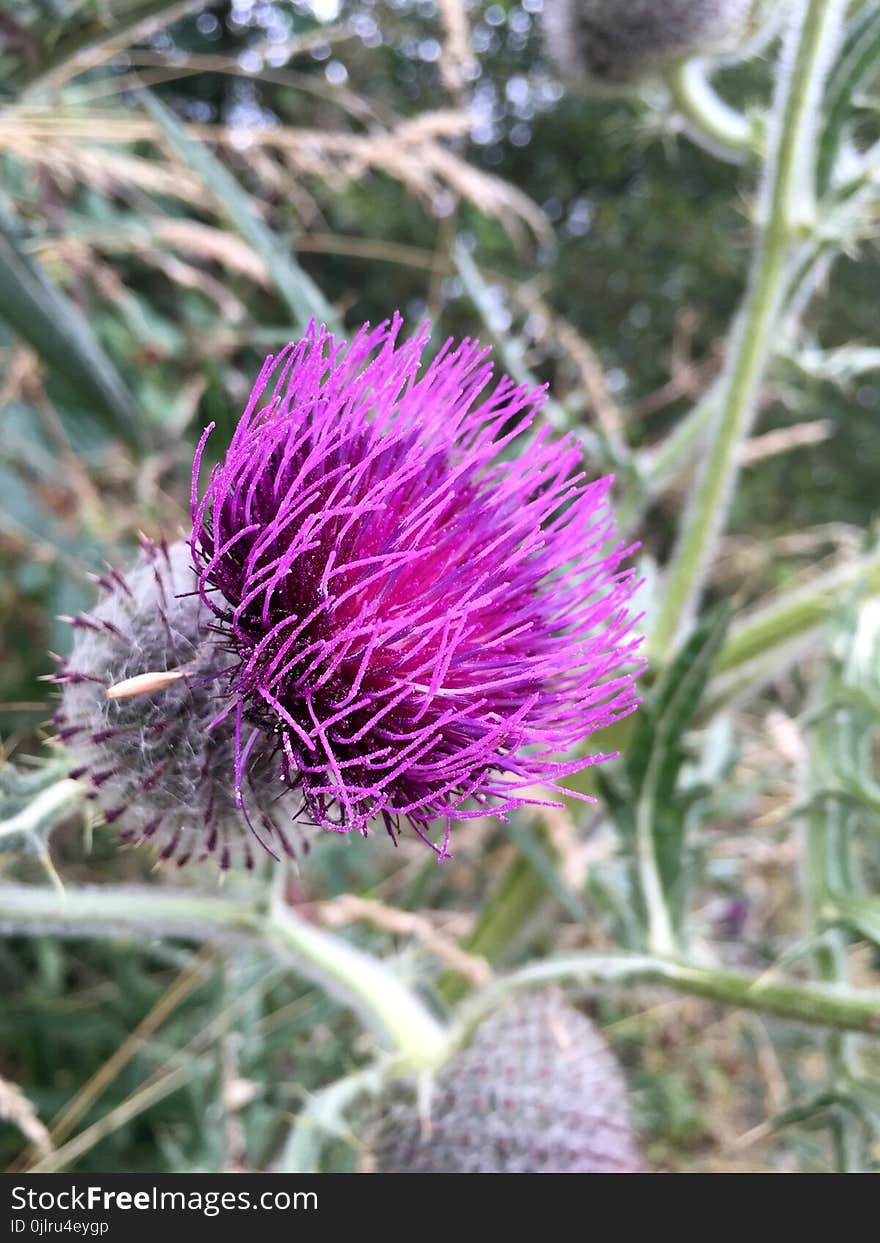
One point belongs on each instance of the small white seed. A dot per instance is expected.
(144, 684)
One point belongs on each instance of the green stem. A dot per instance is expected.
(661, 936)
(323, 1117)
(819, 1005)
(786, 208)
(361, 981)
(60, 798)
(827, 867)
(142, 912)
(760, 646)
(660, 464)
(767, 641)
(669, 459)
(798, 614)
(355, 978)
(711, 122)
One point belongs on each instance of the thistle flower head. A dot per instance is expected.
(423, 623)
(157, 761)
(537, 1091)
(613, 42)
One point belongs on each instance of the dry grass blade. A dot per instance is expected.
(91, 1091)
(295, 287)
(457, 58)
(348, 908)
(112, 172)
(412, 152)
(783, 439)
(17, 1109)
(203, 241)
(585, 361)
(177, 1070)
(164, 68)
(197, 241)
(95, 44)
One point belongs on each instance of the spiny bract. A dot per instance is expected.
(160, 764)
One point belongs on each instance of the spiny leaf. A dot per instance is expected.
(858, 912)
(644, 800)
(858, 60)
(530, 843)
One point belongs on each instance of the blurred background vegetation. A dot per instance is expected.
(181, 183)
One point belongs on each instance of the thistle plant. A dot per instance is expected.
(416, 601)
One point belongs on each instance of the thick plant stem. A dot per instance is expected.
(670, 458)
(840, 1008)
(786, 209)
(711, 122)
(770, 639)
(828, 866)
(797, 614)
(356, 979)
(60, 798)
(143, 913)
(661, 935)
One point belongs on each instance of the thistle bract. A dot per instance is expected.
(159, 762)
(424, 618)
(537, 1091)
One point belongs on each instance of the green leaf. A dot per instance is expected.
(858, 60)
(530, 843)
(858, 912)
(299, 292)
(40, 313)
(645, 799)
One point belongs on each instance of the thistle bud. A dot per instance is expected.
(606, 41)
(145, 719)
(537, 1091)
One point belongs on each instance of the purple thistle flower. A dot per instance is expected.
(424, 626)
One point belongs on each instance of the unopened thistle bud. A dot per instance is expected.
(537, 1091)
(623, 41)
(142, 717)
